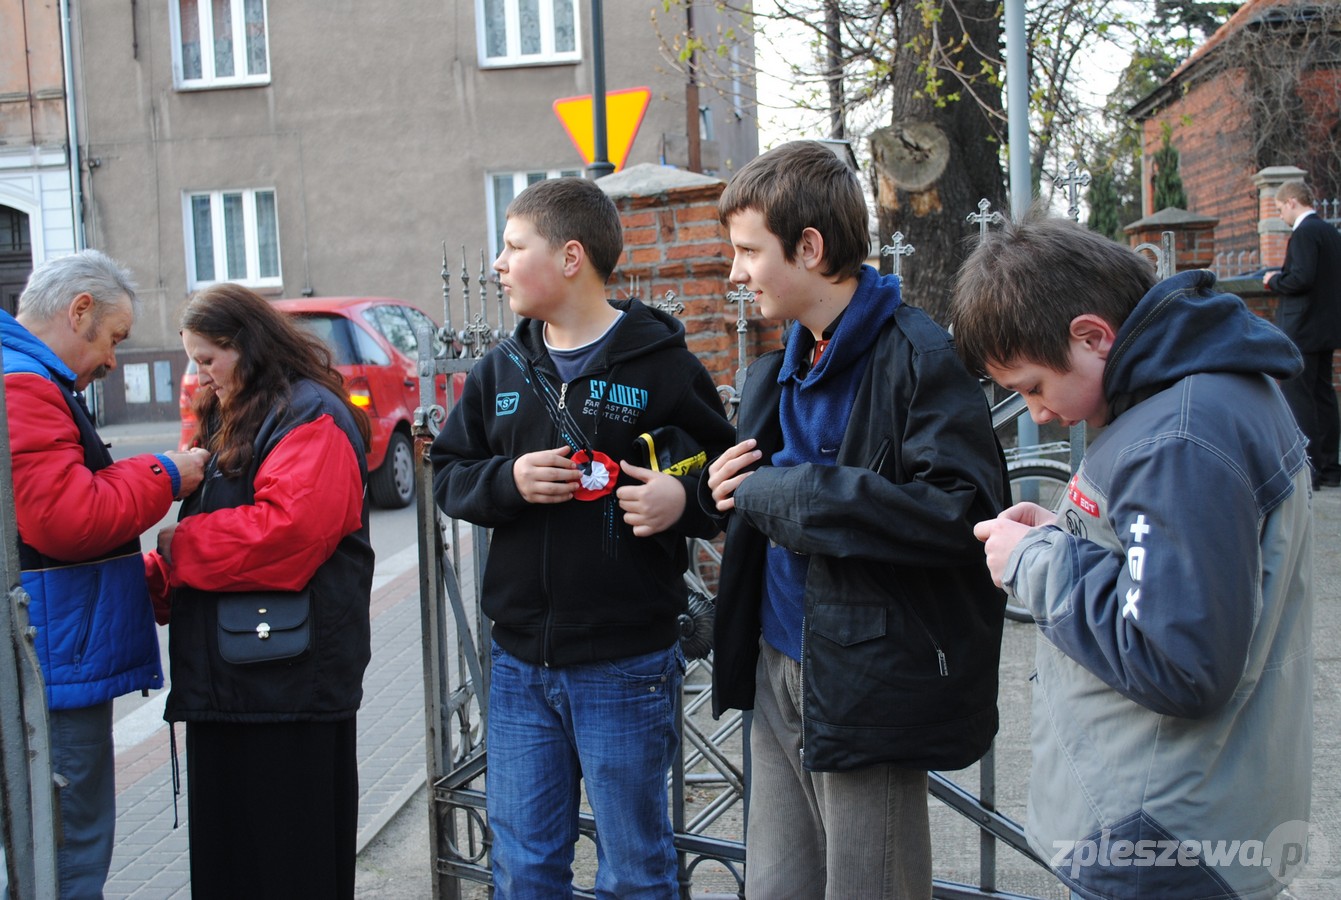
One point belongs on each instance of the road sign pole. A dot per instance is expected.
(600, 164)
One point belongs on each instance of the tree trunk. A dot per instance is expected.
(933, 164)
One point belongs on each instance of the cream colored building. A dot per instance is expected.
(334, 147)
(36, 190)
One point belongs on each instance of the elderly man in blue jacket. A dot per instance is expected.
(79, 518)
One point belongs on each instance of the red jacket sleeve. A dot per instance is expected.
(156, 576)
(308, 495)
(64, 510)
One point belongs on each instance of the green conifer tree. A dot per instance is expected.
(1168, 183)
(1105, 205)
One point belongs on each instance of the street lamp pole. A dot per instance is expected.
(600, 163)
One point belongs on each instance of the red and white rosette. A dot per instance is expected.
(601, 477)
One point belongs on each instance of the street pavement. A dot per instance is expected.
(395, 866)
(395, 862)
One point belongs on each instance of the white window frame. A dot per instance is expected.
(514, 57)
(252, 278)
(208, 80)
(520, 181)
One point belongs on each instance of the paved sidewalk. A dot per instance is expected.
(150, 860)
(397, 864)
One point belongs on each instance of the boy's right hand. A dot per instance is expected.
(725, 475)
(1001, 535)
(546, 476)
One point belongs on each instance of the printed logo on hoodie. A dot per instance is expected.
(618, 402)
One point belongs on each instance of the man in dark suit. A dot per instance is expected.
(1310, 313)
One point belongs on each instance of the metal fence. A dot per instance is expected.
(1234, 264)
(707, 784)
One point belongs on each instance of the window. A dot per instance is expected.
(14, 236)
(526, 32)
(501, 188)
(334, 332)
(391, 322)
(232, 236)
(419, 321)
(219, 43)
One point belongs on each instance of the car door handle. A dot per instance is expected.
(410, 383)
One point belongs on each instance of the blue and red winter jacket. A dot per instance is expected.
(79, 520)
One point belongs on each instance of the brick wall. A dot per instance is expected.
(1210, 130)
(1213, 133)
(1194, 240)
(673, 242)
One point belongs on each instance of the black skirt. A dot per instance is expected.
(273, 809)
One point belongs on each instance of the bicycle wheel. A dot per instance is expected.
(1041, 481)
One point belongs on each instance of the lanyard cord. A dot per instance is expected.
(563, 420)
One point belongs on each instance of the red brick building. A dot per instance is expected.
(1264, 90)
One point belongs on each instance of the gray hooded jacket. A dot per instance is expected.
(1172, 715)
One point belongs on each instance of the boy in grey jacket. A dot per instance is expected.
(1172, 724)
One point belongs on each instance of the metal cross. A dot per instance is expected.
(1073, 183)
(897, 249)
(465, 286)
(446, 290)
(740, 296)
(982, 218)
(670, 304)
(503, 309)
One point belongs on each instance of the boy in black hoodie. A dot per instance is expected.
(855, 616)
(585, 577)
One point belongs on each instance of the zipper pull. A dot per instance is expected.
(940, 657)
(563, 394)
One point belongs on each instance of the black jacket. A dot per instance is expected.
(568, 583)
(1310, 286)
(902, 623)
(325, 684)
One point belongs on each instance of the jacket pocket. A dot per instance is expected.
(847, 625)
(881, 454)
(85, 627)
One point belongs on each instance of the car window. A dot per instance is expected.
(343, 338)
(390, 321)
(418, 321)
(370, 351)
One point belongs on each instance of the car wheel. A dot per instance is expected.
(392, 484)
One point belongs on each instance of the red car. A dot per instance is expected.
(373, 340)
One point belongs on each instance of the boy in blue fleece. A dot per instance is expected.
(855, 614)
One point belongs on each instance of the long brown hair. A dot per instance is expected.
(273, 353)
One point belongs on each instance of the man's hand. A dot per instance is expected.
(1002, 534)
(190, 467)
(653, 506)
(725, 475)
(546, 476)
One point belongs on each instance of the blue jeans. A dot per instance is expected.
(612, 722)
(81, 750)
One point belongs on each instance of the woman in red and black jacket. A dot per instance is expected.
(270, 746)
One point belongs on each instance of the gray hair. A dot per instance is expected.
(58, 281)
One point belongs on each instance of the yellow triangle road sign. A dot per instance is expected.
(623, 114)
